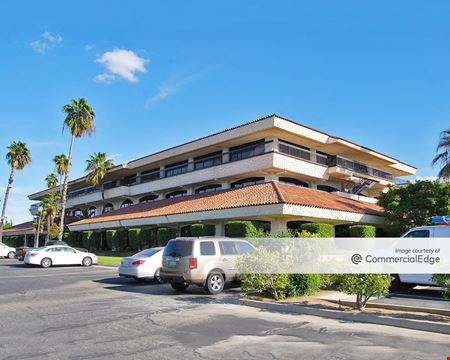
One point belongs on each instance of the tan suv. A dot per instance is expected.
(204, 261)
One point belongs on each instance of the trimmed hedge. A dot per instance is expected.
(117, 240)
(163, 235)
(323, 230)
(13, 241)
(91, 240)
(72, 238)
(238, 229)
(363, 231)
(139, 239)
(198, 230)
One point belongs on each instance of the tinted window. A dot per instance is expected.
(245, 248)
(207, 248)
(178, 248)
(228, 248)
(418, 234)
(69, 250)
(147, 253)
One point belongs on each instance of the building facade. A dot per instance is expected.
(272, 169)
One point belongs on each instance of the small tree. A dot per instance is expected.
(364, 286)
(262, 271)
(443, 280)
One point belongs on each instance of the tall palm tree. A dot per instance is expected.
(18, 157)
(443, 157)
(61, 165)
(51, 180)
(80, 120)
(50, 210)
(97, 166)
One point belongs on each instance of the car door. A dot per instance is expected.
(229, 251)
(70, 256)
(2, 250)
(57, 255)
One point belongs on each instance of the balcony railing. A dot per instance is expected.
(359, 168)
(81, 192)
(302, 153)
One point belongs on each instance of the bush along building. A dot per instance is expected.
(273, 173)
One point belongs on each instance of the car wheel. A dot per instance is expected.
(46, 262)
(157, 276)
(215, 283)
(11, 255)
(179, 286)
(87, 261)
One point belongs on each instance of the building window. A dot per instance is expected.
(208, 160)
(150, 175)
(176, 194)
(78, 213)
(293, 181)
(322, 158)
(109, 184)
(294, 150)
(147, 199)
(326, 188)
(247, 182)
(107, 208)
(176, 169)
(247, 150)
(208, 188)
(129, 180)
(126, 203)
(92, 211)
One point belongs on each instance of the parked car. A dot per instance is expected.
(21, 251)
(145, 265)
(7, 251)
(206, 261)
(411, 280)
(48, 256)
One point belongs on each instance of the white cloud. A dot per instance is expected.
(171, 86)
(47, 41)
(120, 63)
(88, 47)
(425, 178)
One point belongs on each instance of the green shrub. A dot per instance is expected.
(135, 239)
(164, 235)
(443, 280)
(363, 231)
(90, 240)
(148, 238)
(262, 271)
(243, 229)
(323, 230)
(121, 240)
(13, 241)
(304, 284)
(71, 238)
(198, 230)
(110, 239)
(364, 286)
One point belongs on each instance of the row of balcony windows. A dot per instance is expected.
(235, 154)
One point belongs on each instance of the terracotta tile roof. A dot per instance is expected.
(27, 226)
(261, 194)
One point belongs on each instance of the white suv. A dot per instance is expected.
(7, 251)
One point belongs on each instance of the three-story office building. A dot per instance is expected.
(272, 169)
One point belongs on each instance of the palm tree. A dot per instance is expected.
(61, 165)
(444, 156)
(50, 210)
(80, 120)
(51, 180)
(18, 157)
(97, 166)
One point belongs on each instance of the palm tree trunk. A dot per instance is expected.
(64, 192)
(49, 223)
(5, 201)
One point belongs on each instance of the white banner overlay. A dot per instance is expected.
(348, 256)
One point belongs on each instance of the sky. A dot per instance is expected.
(159, 73)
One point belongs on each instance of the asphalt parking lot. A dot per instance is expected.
(89, 313)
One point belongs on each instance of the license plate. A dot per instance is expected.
(171, 263)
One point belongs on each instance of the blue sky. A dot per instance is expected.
(159, 73)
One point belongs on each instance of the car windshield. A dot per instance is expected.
(147, 253)
(178, 248)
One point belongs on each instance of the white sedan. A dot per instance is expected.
(59, 255)
(143, 266)
(7, 251)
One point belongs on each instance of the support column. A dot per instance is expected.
(220, 228)
(277, 225)
(25, 240)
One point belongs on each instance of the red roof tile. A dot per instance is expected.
(27, 226)
(261, 194)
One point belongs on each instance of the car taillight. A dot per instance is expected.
(193, 263)
(138, 262)
(23, 251)
(33, 254)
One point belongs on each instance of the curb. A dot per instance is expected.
(421, 325)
